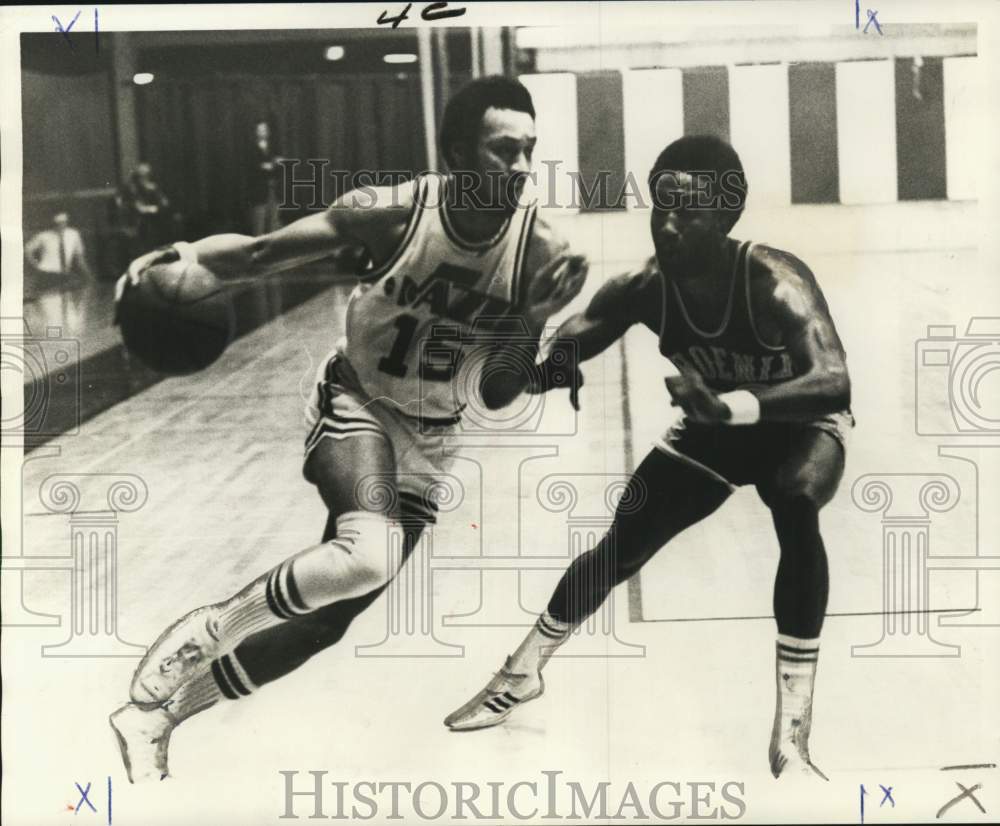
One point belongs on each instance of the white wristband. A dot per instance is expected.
(186, 251)
(744, 407)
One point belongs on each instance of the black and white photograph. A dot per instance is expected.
(500, 412)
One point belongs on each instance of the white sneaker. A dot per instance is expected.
(185, 650)
(505, 692)
(143, 738)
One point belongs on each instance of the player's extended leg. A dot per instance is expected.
(663, 497)
(271, 654)
(347, 567)
(800, 486)
(351, 565)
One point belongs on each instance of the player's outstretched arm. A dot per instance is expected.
(808, 331)
(230, 255)
(307, 239)
(372, 218)
(615, 307)
(607, 318)
(553, 277)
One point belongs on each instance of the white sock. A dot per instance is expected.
(264, 603)
(226, 679)
(350, 565)
(796, 676)
(541, 643)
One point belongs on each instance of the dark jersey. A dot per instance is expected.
(729, 357)
(732, 355)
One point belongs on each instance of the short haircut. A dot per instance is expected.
(463, 114)
(709, 155)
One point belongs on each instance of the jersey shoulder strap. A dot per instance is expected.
(520, 276)
(741, 325)
(422, 197)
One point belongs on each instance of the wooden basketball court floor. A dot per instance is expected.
(682, 688)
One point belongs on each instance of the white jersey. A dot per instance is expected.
(408, 322)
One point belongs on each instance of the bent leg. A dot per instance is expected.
(795, 493)
(340, 469)
(663, 497)
(278, 651)
(194, 664)
(348, 469)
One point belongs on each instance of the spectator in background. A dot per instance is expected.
(56, 256)
(55, 275)
(146, 209)
(262, 181)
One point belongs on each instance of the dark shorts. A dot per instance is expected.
(747, 454)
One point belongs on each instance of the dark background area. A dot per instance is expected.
(86, 123)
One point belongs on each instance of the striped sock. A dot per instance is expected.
(226, 678)
(340, 568)
(796, 675)
(266, 602)
(541, 643)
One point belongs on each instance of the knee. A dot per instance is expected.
(360, 558)
(795, 513)
(794, 492)
(616, 559)
(364, 537)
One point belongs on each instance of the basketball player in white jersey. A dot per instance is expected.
(761, 398)
(452, 257)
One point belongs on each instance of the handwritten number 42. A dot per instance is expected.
(433, 11)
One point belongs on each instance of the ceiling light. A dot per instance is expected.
(400, 58)
(142, 78)
(334, 52)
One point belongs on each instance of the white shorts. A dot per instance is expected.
(339, 408)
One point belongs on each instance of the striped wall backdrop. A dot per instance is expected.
(850, 132)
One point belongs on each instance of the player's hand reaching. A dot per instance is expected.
(561, 369)
(700, 403)
(162, 255)
(554, 286)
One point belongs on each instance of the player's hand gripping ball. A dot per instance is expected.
(700, 403)
(175, 316)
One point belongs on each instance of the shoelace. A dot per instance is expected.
(506, 675)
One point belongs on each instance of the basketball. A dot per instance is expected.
(178, 319)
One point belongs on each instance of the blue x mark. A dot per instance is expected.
(872, 18)
(65, 30)
(886, 795)
(84, 798)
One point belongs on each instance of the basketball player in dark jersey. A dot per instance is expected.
(760, 397)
